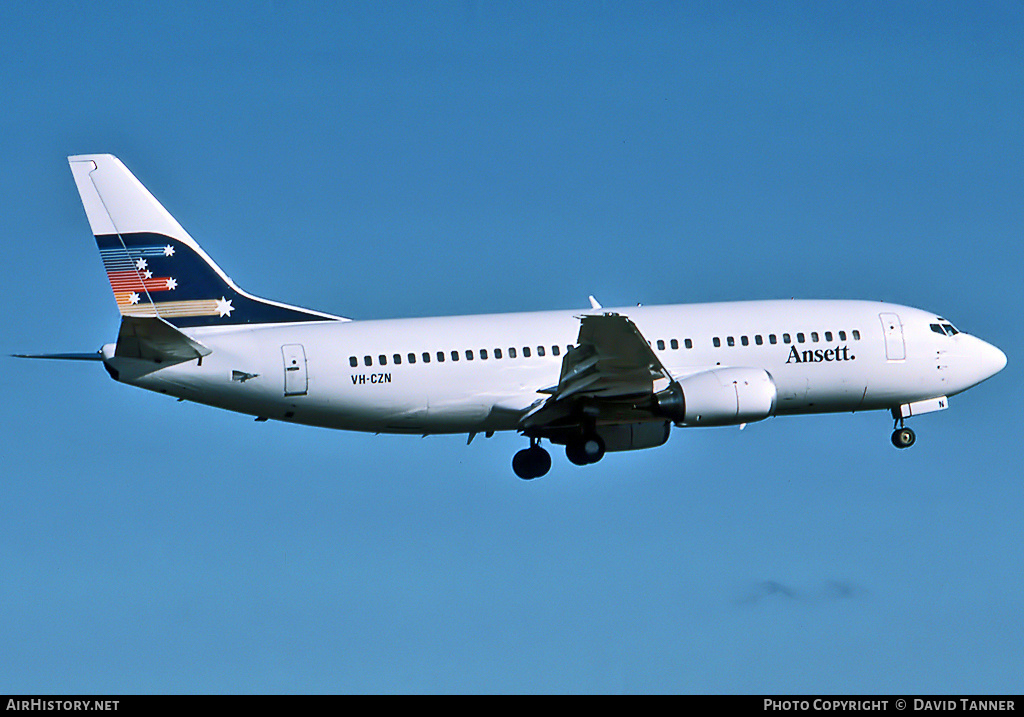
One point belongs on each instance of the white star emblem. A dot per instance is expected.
(147, 274)
(224, 307)
(172, 283)
(133, 298)
(168, 250)
(140, 264)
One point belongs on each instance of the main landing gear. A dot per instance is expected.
(532, 462)
(587, 449)
(903, 437)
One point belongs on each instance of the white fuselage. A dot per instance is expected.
(823, 356)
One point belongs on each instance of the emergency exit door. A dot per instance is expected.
(295, 380)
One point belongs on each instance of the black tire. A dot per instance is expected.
(532, 462)
(540, 460)
(903, 438)
(521, 464)
(586, 450)
(574, 452)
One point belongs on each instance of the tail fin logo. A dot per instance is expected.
(145, 281)
(131, 276)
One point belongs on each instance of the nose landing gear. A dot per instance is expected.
(903, 437)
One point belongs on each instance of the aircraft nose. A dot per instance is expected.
(991, 360)
(975, 361)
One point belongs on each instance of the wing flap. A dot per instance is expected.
(607, 376)
(612, 358)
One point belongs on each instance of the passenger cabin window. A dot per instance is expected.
(512, 352)
(717, 342)
(661, 344)
(353, 361)
(497, 353)
(674, 343)
(773, 339)
(397, 358)
(744, 340)
(469, 354)
(828, 335)
(426, 357)
(758, 340)
(540, 350)
(730, 340)
(814, 336)
(483, 354)
(786, 339)
(383, 360)
(440, 356)
(555, 350)
(688, 343)
(842, 336)
(368, 360)
(412, 358)
(526, 352)
(800, 338)
(455, 355)
(856, 335)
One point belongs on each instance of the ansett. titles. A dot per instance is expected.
(839, 353)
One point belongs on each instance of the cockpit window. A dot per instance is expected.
(945, 329)
(937, 329)
(950, 330)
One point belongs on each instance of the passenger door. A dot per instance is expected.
(295, 380)
(895, 350)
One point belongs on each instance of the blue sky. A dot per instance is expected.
(410, 159)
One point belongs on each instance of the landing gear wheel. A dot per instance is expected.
(532, 462)
(903, 437)
(585, 450)
(574, 452)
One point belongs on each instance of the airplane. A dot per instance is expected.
(594, 381)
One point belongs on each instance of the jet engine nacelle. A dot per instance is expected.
(719, 397)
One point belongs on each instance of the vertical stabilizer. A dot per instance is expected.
(155, 268)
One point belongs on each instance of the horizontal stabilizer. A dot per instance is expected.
(153, 339)
(94, 356)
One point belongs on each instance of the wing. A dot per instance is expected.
(611, 376)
